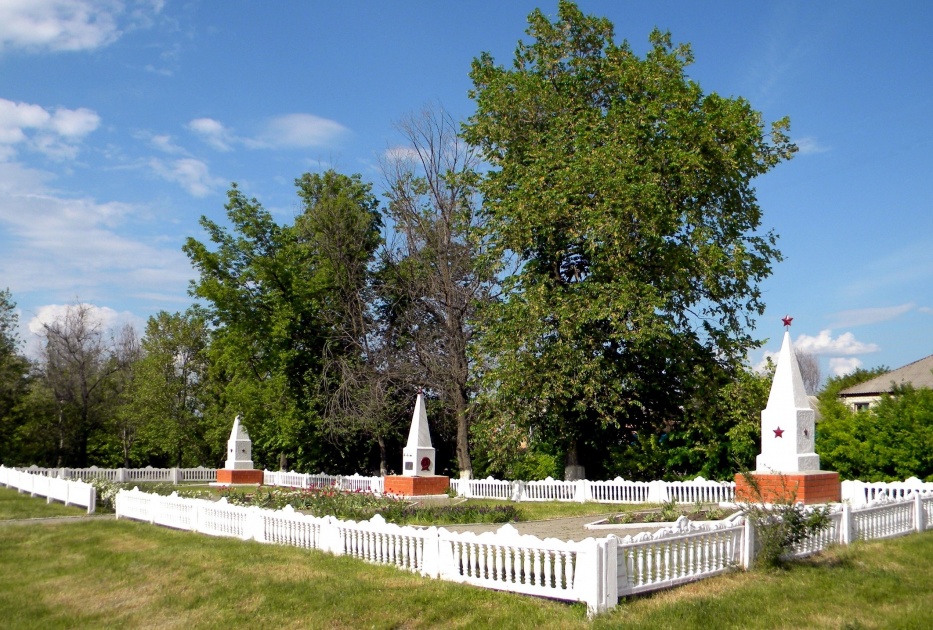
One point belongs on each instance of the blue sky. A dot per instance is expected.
(121, 123)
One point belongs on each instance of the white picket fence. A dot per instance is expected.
(129, 475)
(504, 560)
(863, 492)
(348, 483)
(618, 490)
(52, 488)
(594, 571)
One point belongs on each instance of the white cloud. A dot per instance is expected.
(825, 343)
(55, 133)
(809, 146)
(212, 132)
(863, 316)
(69, 25)
(191, 174)
(286, 131)
(109, 320)
(299, 130)
(104, 316)
(58, 24)
(762, 365)
(842, 366)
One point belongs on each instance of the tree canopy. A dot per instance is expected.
(624, 193)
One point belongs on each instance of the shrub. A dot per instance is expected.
(781, 522)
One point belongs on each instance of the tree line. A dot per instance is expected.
(571, 274)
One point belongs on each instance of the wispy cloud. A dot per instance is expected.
(288, 131)
(213, 133)
(191, 174)
(55, 133)
(809, 145)
(400, 153)
(78, 246)
(874, 315)
(299, 131)
(911, 265)
(840, 366)
(825, 343)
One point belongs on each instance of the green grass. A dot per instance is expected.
(14, 505)
(122, 574)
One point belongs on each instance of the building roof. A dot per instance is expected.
(919, 374)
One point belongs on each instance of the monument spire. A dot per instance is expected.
(787, 423)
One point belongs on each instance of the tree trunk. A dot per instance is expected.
(463, 436)
(382, 456)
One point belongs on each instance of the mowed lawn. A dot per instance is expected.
(123, 574)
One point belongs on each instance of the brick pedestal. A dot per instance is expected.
(229, 476)
(416, 486)
(820, 486)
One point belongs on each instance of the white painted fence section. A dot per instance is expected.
(685, 553)
(503, 560)
(129, 475)
(860, 493)
(594, 571)
(350, 483)
(53, 489)
(617, 490)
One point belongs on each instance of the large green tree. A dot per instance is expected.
(286, 303)
(164, 411)
(14, 372)
(624, 193)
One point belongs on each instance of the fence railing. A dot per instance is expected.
(618, 490)
(52, 488)
(594, 571)
(349, 483)
(649, 562)
(503, 560)
(863, 492)
(128, 475)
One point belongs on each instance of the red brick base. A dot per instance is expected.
(821, 486)
(416, 486)
(225, 475)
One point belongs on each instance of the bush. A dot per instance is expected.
(361, 506)
(781, 523)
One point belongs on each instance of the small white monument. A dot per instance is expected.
(239, 465)
(239, 448)
(418, 465)
(788, 466)
(418, 454)
(787, 423)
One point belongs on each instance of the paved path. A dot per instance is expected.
(560, 528)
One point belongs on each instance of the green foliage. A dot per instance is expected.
(164, 414)
(14, 371)
(780, 522)
(889, 442)
(283, 300)
(624, 194)
(361, 506)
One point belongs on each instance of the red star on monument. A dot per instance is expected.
(778, 432)
(787, 319)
